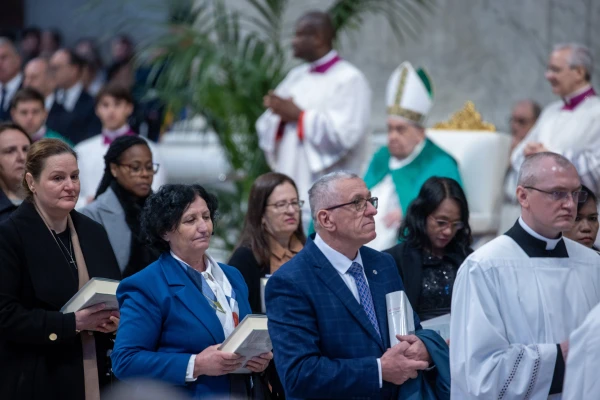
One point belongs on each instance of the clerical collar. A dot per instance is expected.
(396, 163)
(574, 99)
(39, 134)
(325, 62)
(534, 244)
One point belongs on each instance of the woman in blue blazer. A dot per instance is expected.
(177, 311)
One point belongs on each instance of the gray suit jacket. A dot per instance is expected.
(107, 211)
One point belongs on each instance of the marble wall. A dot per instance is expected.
(488, 51)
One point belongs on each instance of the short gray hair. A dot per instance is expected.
(322, 193)
(581, 56)
(528, 171)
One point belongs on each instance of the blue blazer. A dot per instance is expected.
(164, 320)
(324, 344)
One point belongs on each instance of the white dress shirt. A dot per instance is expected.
(342, 264)
(11, 88)
(49, 101)
(68, 97)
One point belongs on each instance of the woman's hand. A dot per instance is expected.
(214, 362)
(92, 318)
(260, 363)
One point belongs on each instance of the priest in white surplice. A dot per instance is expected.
(317, 118)
(583, 363)
(517, 299)
(570, 126)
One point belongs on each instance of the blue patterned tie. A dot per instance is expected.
(356, 270)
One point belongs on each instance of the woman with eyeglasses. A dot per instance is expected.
(586, 224)
(271, 236)
(127, 182)
(435, 239)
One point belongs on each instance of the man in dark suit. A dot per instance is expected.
(326, 306)
(11, 78)
(72, 113)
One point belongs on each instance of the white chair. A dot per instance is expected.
(482, 159)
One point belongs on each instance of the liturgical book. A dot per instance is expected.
(400, 315)
(95, 291)
(250, 339)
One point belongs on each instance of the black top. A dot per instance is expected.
(243, 259)
(6, 206)
(428, 280)
(40, 351)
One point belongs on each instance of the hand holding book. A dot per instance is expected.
(214, 362)
(96, 318)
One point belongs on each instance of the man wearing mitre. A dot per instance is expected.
(517, 299)
(397, 171)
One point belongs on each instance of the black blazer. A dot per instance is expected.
(36, 281)
(409, 261)
(243, 259)
(6, 206)
(77, 125)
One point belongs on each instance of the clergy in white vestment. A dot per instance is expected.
(569, 126)
(517, 299)
(397, 171)
(317, 118)
(583, 362)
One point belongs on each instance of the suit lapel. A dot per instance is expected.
(191, 298)
(331, 278)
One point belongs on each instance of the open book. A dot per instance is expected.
(95, 291)
(249, 339)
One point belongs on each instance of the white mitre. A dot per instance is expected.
(409, 94)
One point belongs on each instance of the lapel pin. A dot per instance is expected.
(375, 271)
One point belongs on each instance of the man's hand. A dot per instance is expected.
(564, 347)
(397, 368)
(285, 108)
(417, 350)
(533, 148)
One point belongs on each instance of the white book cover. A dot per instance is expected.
(249, 339)
(95, 291)
(400, 315)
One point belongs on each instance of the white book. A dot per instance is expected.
(400, 315)
(95, 291)
(440, 324)
(263, 285)
(249, 339)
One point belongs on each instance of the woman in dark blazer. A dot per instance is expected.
(125, 186)
(272, 232)
(177, 311)
(435, 239)
(47, 252)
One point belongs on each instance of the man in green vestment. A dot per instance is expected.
(398, 170)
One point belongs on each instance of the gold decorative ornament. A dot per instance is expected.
(467, 119)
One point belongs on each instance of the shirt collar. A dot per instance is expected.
(110, 136)
(207, 263)
(49, 101)
(279, 251)
(339, 261)
(39, 134)
(324, 60)
(550, 243)
(576, 93)
(70, 96)
(396, 163)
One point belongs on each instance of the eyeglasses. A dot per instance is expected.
(360, 204)
(283, 205)
(442, 224)
(136, 170)
(579, 196)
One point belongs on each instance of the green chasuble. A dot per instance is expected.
(432, 161)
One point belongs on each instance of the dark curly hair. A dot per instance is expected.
(433, 192)
(164, 209)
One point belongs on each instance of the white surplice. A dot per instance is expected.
(582, 380)
(337, 108)
(385, 191)
(509, 312)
